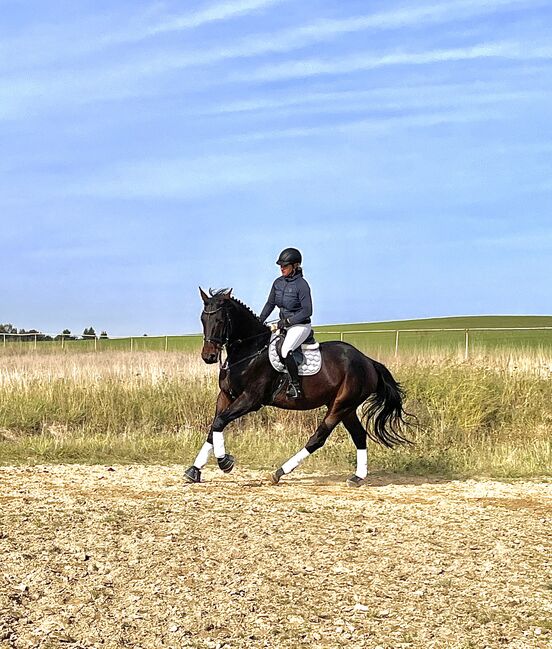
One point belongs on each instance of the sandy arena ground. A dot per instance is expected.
(131, 557)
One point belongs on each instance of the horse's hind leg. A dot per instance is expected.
(358, 433)
(316, 441)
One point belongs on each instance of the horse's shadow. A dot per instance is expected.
(374, 480)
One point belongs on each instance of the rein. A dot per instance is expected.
(226, 366)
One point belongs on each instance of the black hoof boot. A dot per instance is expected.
(355, 481)
(193, 474)
(275, 477)
(226, 463)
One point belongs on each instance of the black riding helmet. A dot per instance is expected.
(289, 256)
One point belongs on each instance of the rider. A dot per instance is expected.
(291, 293)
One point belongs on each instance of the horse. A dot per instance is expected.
(346, 380)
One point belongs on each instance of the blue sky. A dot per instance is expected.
(147, 148)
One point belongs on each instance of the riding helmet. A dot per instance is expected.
(289, 256)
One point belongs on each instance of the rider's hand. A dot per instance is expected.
(274, 327)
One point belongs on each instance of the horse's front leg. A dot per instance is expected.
(193, 473)
(215, 440)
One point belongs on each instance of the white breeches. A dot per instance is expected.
(295, 335)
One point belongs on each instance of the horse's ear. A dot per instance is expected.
(228, 294)
(204, 295)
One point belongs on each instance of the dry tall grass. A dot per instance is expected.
(491, 415)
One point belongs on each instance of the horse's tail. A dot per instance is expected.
(385, 408)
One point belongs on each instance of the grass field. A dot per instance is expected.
(489, 416)
(382, 341)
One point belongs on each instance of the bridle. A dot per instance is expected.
(224, 340)
(225, 335)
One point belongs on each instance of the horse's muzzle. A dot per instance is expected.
(210, 353)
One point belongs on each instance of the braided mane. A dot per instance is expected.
(221, 292)
(244, 306)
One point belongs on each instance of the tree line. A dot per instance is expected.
(12, 333)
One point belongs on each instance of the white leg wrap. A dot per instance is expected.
(362, 463)
(295, 461)
(203, 455)
(218, 443)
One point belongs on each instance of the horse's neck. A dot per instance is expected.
(247, 325)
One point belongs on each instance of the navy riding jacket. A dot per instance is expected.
(293, 296)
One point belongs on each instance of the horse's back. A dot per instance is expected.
(344, 354)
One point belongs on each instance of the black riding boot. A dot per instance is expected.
(294, 388)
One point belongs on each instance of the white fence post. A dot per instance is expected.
(131, 344)
(467, 350)
(166, 343)
(397, 343)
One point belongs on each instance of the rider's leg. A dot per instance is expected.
(295, 335)
(294, 389)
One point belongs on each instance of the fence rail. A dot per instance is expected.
(136, 342)
(397, 333)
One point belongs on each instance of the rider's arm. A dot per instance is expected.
(269, 306)
(304, 294)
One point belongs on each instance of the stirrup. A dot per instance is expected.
(294, 391)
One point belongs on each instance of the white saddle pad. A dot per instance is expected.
(312, 358)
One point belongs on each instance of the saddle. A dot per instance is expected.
(308, 357)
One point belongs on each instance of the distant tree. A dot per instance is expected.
(24, 335)
(7, 329)
(65, 335)
(104, 335)
(89, 333)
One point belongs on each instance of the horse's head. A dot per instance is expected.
(215, 319)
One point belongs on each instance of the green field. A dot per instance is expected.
(482, 336)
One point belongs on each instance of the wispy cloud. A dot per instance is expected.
(302, 68)
(187, 178)
(45, 44)
(209, 14)
(25, 96)
(376, 125)
(323, 30)
(421, 96)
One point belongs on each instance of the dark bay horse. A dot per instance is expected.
(347, 379)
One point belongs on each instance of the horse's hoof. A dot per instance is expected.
(355, 481)
(192, 475)
(226, 463)
(275, 477)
